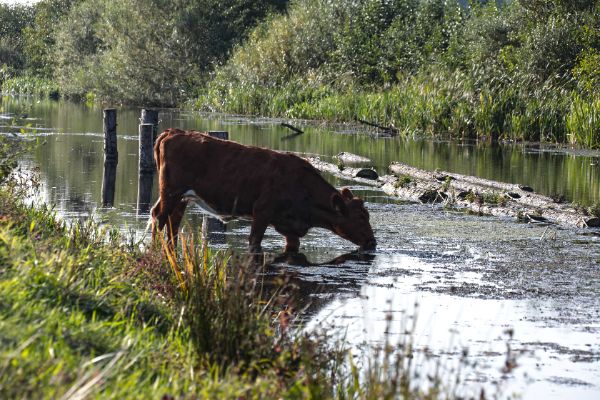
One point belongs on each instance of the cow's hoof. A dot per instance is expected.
(368, 246)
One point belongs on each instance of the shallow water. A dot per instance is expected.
(467, 279)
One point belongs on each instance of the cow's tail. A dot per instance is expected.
(151, 222)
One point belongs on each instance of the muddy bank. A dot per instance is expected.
(478, 195)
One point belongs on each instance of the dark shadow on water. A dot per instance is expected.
(315, 284)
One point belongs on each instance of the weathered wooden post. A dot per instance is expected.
(111, 156)
(212, 228)
(145, 167)
(150, 117)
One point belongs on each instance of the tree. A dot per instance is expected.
(13, 20)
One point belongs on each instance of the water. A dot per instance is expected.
(468, 280)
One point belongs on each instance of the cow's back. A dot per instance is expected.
(231, 177)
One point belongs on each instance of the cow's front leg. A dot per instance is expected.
(292, 244)
(257, 232)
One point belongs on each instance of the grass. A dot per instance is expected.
(403, 181)
(80, 317)
(72, 323)
(583, 122)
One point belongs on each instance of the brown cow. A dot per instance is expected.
(232, 180)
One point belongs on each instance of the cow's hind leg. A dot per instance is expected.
(162, 213)
(154, 212)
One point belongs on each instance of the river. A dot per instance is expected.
(453, 283)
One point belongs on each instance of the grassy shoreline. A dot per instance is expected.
(439, 105)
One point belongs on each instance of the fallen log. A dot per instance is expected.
(519, 193)
(478, 195)
(367, 176)
(387, 130)
(497, 198)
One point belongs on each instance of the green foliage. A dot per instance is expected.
(13, 19)
(211, 28)
(494, 198)
(227, 324)
(496, 70)
(403, 181)
(587, 72)
(594, 210)
(428, 67)
(40, 37)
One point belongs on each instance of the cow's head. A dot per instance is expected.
(352, 220)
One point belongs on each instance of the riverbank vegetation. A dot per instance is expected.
(523, 70)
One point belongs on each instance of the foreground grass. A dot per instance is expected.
(81, 317)
(75, 322)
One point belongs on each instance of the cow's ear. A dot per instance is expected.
(338, 204)
(347, 194)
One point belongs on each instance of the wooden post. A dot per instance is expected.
(212, 228)
(146, 162)
(145, 183)
(111, 156)
(150, 117)
(146, 167)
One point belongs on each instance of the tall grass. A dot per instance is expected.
(221, 304)
(436, 103)
(583, 122)
(428, 67)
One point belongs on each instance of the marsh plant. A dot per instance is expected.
(403, 181)
(225, 305)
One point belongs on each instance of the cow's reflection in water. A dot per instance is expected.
(300, 259)
(312, 285)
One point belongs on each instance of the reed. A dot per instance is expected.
(583, 121)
